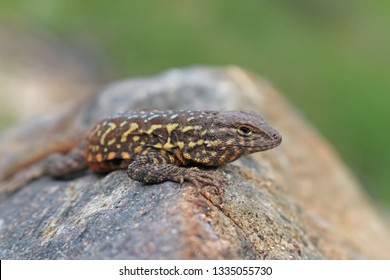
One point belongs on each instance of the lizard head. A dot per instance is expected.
(233, 134)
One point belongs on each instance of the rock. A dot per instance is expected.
(298, 201)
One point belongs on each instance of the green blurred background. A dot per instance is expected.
(331, 58)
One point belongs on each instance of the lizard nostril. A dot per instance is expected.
(277, 136)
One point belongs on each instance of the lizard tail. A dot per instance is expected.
(20, 179)
(56, 166)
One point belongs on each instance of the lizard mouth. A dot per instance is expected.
(270, 144)
(275, 142)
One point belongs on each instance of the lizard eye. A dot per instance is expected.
(244, 130)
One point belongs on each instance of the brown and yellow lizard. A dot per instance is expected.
(158, 146)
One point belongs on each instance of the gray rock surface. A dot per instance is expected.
(298, 201)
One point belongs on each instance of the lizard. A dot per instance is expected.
(157, 146)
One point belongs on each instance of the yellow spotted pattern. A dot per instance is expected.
(110, 127)
(133, 126)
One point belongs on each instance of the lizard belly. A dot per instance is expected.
(108, 165)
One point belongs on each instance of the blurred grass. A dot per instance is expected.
(330, 57)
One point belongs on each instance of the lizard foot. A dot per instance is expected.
(200, 178)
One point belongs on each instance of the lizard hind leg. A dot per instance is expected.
(60, 166)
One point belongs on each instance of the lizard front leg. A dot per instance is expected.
(158, 168)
